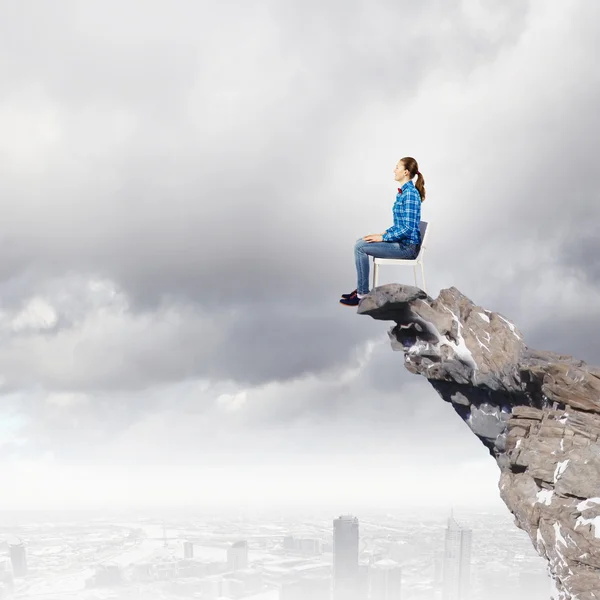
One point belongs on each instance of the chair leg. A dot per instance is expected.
(423, 276)
(375, 274)
(415, 274)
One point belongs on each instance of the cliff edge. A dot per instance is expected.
(537, 413)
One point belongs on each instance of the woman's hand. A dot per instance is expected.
(373, 237)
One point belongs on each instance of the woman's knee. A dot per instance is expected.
(360, 243)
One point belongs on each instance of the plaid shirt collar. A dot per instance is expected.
(409, 182)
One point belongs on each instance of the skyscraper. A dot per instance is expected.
(18, 558)
(6, 575)
(188, 549)
(457, 562)
(386, 580)
(237, 556)
(438, 569)
(345, 558)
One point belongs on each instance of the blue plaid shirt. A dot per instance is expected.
(407, 216)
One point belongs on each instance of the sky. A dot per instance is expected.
(182, 185)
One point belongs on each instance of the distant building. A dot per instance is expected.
(166, 570)
(193, 567)
(362, 586)
(232, 588)
(373, 556)
(302, 545)
(188, 550)
(345, 558)
(143, 572)
(211, 587)
(497, 579)
(438, 569)
(6, 575)
(107, 575)
(288, 543)
(317, 588)
(18, 559)
(457, 562)
(5, 566)
(385, 580)
(237, 556)
(251, 580)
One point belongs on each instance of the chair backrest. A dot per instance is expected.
(423, 228)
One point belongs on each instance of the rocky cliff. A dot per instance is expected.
(537, 413)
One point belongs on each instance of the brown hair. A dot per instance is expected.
(410, 164)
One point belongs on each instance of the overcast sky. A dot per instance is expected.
(182, 184)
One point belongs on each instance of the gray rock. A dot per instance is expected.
(486, 421)
(537, 412)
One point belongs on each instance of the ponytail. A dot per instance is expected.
(413, 168)
(420, 185)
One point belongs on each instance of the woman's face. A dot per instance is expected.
(400, 171)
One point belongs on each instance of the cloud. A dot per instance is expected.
(203, 177)
(182, 189)
(199, 422)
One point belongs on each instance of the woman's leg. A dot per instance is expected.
(362, 251)
(391, 250)
(361, 258)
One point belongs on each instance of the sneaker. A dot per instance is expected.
(352, 301)
(350, 294)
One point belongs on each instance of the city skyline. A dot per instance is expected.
(283, 558)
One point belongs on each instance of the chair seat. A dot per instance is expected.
(397, 261)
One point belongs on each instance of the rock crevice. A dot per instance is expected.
(537, 412)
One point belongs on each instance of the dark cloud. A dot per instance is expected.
(188, 163)
(570, 334)
(183, 187)
(580, 251)
(167, 193)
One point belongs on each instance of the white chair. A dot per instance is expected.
(424, 228)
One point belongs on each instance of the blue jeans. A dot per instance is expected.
(362, 251)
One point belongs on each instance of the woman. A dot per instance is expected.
(402, 239)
